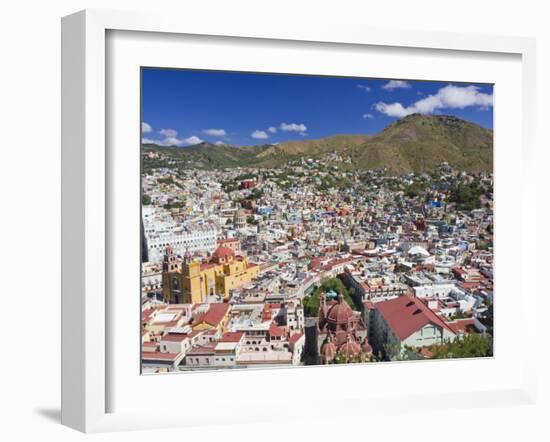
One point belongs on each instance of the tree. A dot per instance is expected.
(145, 199)
(168, 180)
(174, 205)
(340, 358)
(472, 345)
(393, 352)
(466, 196)
(415, 189)
(487, 318)
(255, 194)
(311, 304)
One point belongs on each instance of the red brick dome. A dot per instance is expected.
(366, 347)
(328, 351)
(350, 349)
(223, 252)
(339, 313)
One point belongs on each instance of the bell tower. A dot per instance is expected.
(191, 275)
(171, 285)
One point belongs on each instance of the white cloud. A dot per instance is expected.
(448, 97)
(293, 127)
(171, 139)
(364, 87)
(259, 135)
(215, 132)
(192, 140)
(393, 109)
(368, 116)
(148, 141)
(219, 143)
(396, 84)
(169, 133)
(272, 129)
(146, 128)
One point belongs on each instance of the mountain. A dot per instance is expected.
(210, 156)
(336, 143)
(415, 143)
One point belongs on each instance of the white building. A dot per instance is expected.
(160, 230)
(407, 322)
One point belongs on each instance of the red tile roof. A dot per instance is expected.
(202, 350)
(146, 314)
(232, 337)
(406, 315)
(424, 351)
(273, 305)
(158, 356)
(461, 325)
(368, 304)
(275, 330)
(295, 337)
(227, 240)
(215, 314)
(175, 337)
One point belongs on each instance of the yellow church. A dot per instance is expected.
(194, 281)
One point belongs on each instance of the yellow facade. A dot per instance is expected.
(220, 278)
(195, 281)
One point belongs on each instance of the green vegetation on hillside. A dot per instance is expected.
(175, 205)
(145, 199)
(472, 345)
(311, 303)
(416, 143)
(415, 189)
(466, 196)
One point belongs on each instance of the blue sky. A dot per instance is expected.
(184, 107)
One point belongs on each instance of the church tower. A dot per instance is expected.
(171, 285)
(191, 280)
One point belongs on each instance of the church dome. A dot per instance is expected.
(350, 348)
(339, 313)
(223, 252)
(366, 347)
(328, 351)
(239, 218)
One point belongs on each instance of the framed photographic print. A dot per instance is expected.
(302, 208)
(353, 230)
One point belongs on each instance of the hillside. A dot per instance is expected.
(337, 143)
(415, 143)
(418, 142)
(210, 156)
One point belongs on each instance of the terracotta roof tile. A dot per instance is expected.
(406, 315)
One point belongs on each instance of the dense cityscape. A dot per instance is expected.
(313, 262)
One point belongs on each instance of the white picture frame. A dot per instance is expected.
(86, 318)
